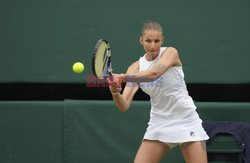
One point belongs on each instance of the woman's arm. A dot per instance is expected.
(123, 101)
(169, 58)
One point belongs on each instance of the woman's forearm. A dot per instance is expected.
(120, 102)
(143, 76)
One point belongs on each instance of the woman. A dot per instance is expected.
(173, 117)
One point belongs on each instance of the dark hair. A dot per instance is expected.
(151, 25)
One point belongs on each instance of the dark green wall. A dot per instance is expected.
(31, 132)
(40, 40)
(79, 131)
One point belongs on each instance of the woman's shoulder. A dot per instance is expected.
(170, 48)
(169, 51)
(134, 67)
(173, 54)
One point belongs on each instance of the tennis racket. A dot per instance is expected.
(101, 61)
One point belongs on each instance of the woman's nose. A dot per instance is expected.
(152, 44)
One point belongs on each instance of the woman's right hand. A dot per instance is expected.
(115, 85)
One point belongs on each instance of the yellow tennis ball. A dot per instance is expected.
(78, 67)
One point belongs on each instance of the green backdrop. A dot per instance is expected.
(40, 40)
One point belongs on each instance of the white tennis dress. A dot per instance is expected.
(173, 116)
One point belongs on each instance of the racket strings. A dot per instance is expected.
(102, 59)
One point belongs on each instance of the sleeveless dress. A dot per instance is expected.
(173, 116)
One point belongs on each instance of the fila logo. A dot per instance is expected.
(191, 133)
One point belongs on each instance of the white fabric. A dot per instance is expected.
(173, 116)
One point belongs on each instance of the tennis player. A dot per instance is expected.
(173, 117)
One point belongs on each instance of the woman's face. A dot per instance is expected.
(151, 41)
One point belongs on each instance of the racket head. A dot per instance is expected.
(101, 61)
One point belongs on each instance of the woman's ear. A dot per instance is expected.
(140, 40)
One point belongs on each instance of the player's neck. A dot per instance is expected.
(150, 57)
